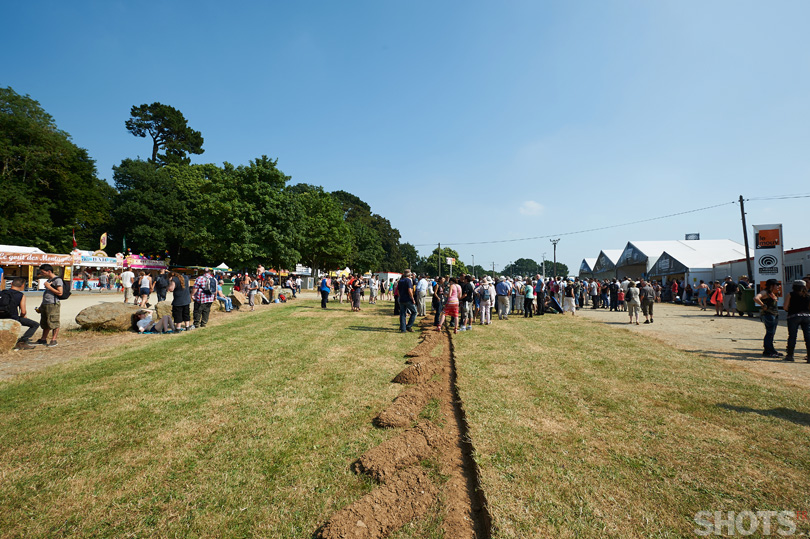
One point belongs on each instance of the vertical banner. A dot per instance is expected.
(769, 256)
(68, 277)
(102, 242)
(30, 277)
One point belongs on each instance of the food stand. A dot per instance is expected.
(84, 260)
(18, 261)
(137, 262)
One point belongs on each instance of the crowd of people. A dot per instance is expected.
(464, 299)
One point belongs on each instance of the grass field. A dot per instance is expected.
(248, 429)
(582, 430)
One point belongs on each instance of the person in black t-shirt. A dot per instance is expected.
(13, 302)
(730, 296)
(407, 304)
(465, 303)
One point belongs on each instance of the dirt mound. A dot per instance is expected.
(404, 411)
(403, 498)
(426, 345)
(418, 373)
(402, 451)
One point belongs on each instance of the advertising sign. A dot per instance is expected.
(33, 259)
(140, 262)
(769, 256)
(451, 261)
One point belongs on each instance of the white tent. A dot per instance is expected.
(19, 249)
(223, 267)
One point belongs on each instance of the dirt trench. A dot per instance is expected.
(407, 491)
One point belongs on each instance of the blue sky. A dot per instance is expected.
(458, 121)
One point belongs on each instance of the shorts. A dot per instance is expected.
(49, 317)
(127, 293)
(451, 309)
(181, 313)
(144, 291)
(730, 302)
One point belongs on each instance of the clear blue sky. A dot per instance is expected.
(458, 121)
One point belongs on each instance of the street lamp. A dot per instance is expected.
(555, 242)
(473, 266)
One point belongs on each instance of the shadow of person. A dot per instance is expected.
(794, 416)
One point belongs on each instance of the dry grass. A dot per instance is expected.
(243, 429)
(586, 431)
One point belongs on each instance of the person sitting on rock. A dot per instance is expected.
(12, 305)
(147, 325)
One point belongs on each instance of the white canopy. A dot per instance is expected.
(223, 266)
(20, 249)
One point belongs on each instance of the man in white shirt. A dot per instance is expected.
(126, 281)
(421, 294)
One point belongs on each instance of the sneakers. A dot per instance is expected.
(52, 344)
(788, 357)
(462, 328)
(22, 345)
(40, 341)
(469, 328)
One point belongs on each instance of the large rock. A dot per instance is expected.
(238, 299)
(9, 334)
(117, 316)
(163, 308)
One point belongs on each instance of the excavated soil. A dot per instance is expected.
(404, 411)
(408, 495)
(407, 449)
(418, 373)
(427, 344)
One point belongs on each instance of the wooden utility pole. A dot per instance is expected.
(555, 242)
(745, 240)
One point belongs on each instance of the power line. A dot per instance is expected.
(588, 229)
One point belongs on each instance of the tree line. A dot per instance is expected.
(198, 214)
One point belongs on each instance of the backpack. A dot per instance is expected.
(65, 292)
(6, 299)
(485, 293)
(211, 286)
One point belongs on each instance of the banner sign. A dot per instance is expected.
(451, 261)
(34, 259)
(98, 259)
(769, 256)
(140, 262)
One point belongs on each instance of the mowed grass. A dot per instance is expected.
(583, 430)
(243, 429)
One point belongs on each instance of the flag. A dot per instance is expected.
(103, 241)
(74, 238)
(124, 247)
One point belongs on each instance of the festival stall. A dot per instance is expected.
(19, 261)
(137, 262)
(605, 265)
(93, 260)
(586, 268)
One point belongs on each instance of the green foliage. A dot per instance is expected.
(49, 184)
(524, 267)
(437, 262)
(562, 269)
(326, 240)
(169, 131)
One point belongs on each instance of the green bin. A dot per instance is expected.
(227, 288)
(745, 303)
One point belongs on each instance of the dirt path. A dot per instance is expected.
(732, 339)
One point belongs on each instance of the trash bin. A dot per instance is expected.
(745, 303)
(227, 288)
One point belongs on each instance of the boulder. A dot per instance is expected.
(117, 316)
(163, 308)
(238, 299)
(9, 334)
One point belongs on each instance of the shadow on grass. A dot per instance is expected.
(800, 418)
(753, 355)
(372, 328)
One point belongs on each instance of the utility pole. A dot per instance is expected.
(493, 270)
(745, 240)
(544, 267)
(473, 266)
(555, 242)
(440, 261)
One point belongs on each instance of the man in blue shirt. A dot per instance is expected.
(502, 291)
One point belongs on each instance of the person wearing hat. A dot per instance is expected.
(486, 294)
(502, 291)
(767, 300)
(797, 307)
(730, 296)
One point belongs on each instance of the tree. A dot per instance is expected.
(169, 131)
(523, 267)
(326, 240)
(562, 269)
(49, 184)
(437, 262)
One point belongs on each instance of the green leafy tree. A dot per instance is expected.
(49, 184)
(523, 267)
(368, 253)
(325, 240)
(411, 259)
(438, 261)
(154, 209)
(169, 131)
(562, 269)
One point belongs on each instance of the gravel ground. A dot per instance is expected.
(732, 339)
